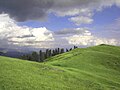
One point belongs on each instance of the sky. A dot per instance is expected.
(59, 23)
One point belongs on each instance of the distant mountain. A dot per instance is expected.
(17, 52)
(12, 52)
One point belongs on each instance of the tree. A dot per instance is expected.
(47, 53)
(70, 49)
(75, 47)
(26, 57)
(50, 53)
(62, 50)
(43, 57)
(35, 56)
(58, 51)
(1, 53)
(67, 50)
(53, 52)
(40, 56)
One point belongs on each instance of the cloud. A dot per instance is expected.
(88, 5)
(90, 40)
(78, 20)
(23, 10)
(11, 33)
(84, 37)
(81, 11)
(73, 12)
(78, 15)
(72, 31)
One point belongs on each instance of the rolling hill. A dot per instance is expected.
(92, 68)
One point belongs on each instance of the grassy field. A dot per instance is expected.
(93, 68)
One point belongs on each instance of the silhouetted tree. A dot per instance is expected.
(47, 53)
(70, 49)
(62, 50)
(67, 50)
(40, 56)
(58, 51)
(53, 52)
(50, 53)
(75, 47)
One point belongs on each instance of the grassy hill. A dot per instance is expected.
(93, 68)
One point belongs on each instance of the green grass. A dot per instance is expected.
(93, 68)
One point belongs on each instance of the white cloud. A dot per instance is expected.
(78, 20)
(87, 39)
(42, 34)
(73, 12)
(83, 40)
(12, 34)
(22, 35)
(72, 31)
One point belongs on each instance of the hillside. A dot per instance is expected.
(93, 68)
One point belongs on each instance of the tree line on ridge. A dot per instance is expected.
(42, 56)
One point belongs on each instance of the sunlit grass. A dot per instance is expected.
(94, 68)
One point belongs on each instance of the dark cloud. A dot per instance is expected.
(22, 10)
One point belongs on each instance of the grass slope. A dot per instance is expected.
(93, 68)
